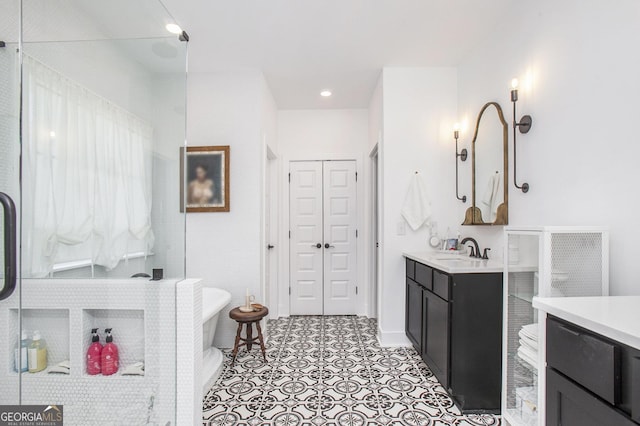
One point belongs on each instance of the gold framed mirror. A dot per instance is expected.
(490, 169)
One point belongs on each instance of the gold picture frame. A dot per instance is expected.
(204, 179)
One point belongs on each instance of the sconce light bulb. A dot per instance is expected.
(52, 134)
(514, 84)
(456, 127)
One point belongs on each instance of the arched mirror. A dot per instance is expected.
(490, 177)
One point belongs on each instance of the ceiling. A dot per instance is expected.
(306, 46)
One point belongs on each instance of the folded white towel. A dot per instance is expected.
(526, 345)
(527, 340)
(527, 357)
(417, 206)
(493, 195)
(530, 331)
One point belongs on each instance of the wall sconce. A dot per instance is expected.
(463, 156)
(524, 125)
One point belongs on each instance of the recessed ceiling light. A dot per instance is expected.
(325, 93)
(174, 28)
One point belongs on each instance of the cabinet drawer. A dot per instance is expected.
(441, 284)
(586, 358)
(411, 269)
(570, 405)
(424, 276)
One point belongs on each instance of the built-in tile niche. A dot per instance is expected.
(53, 325)
(127, 330)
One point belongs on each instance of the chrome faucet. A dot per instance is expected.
(475, 249)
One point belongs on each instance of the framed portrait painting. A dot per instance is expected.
(205, 179)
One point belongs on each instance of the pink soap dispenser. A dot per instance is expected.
(94, 354)
(110, 357)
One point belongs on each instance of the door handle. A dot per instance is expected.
(316, 245)
(269, 247)
(10, 258)
(566, 330)
(328, 246)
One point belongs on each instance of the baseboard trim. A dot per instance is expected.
(392, 339)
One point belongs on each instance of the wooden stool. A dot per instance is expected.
(248, 319)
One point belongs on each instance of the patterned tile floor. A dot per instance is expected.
(330, 371)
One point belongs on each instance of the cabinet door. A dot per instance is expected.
(413, 312)
(435, 350)
(571, 405)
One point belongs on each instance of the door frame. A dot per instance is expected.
(362, 298)
(375, 211)
(270, 165)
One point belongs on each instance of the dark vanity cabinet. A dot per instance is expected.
(454, 321)
(591, 380)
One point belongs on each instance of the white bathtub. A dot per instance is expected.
(214, 300)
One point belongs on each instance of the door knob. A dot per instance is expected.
(269, 247)
(317, 245)
(327, 246)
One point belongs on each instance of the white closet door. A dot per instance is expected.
(306, 259)
(340, 227)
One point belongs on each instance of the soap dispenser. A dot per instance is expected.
(110, 358)
(37, 353)
(20, 355)
(94, 354)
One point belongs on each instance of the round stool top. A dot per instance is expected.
(238, 315)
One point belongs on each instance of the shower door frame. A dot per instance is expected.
(10, 285)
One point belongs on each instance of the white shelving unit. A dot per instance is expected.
(545, 262)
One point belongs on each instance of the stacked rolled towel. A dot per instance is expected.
(528, 350)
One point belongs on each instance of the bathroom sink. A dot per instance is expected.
(451, 258)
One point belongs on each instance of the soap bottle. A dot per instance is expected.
(110, 358)
(37, 353)
(20, 355)
(445, 242)
(94, 354)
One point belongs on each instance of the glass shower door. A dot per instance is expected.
(92, 119)
(9, 193)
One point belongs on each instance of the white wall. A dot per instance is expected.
(576, 60)
(324, 135)
(376, 114)
(313, 133)
(376, 118)
(270, 185)
(102, 67)
(420, 108)
(224, 249)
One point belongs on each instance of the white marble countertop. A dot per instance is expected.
(456, 264)
(615, 317)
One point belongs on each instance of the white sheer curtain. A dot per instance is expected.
(86, 175)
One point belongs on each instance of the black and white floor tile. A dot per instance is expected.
(331, 371)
